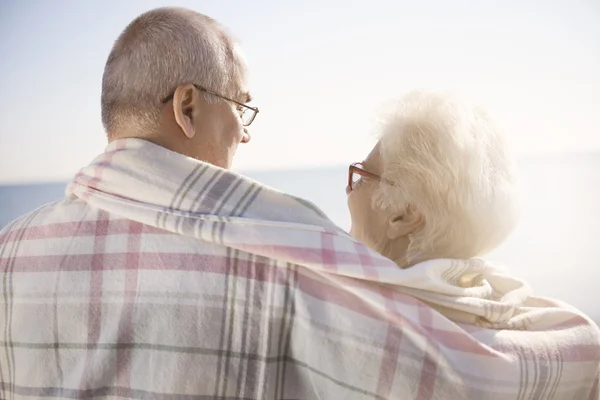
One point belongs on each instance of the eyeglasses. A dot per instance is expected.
(356, 171)
(247, 113)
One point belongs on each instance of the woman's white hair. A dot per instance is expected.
(446, 158)
(158, 51)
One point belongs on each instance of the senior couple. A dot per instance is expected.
(163, 275)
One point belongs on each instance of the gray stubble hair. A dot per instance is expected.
(158, 51)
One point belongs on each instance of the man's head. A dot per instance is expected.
(175, 77)
(440, 183)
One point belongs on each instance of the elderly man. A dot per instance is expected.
(163, 275)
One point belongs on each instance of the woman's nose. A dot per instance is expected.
(246, 138)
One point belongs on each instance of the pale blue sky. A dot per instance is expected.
(319, 71)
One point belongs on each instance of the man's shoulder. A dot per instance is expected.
(64, 211)
(71, 219)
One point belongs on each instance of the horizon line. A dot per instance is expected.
(248, 171)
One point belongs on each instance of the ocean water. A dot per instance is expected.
(555, 246)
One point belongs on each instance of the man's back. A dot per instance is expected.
(103, 306)
(175, 279)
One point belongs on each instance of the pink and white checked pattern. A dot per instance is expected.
(161, 277)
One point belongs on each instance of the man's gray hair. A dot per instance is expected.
(446, 157)
(158, 51)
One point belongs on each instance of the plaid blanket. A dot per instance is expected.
(161, 277)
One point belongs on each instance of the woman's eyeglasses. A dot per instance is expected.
(356, 171)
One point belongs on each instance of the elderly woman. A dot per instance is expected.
(440, 183)
(438, 191)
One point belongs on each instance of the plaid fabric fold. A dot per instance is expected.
(162, 277)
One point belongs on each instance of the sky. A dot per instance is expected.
(320, 70)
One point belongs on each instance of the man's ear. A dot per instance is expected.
(404, 223)
(186, 105)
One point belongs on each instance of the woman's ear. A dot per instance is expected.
(186, 104)
(404, 223)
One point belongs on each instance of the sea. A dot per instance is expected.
(555, 247)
